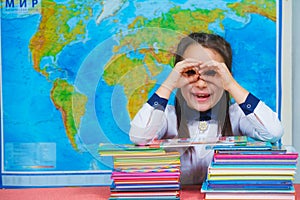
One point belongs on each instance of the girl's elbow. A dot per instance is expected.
(275, 135)
(137, 136)
(278, 134)
(138, 140)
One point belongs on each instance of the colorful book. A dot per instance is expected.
(209, 142)
(143, 172)
(145, 181)
(249, 177)
(251, 196)
(286, 156)
(249, 184)
(146, 187)
(145, 194)
(129, 149)
(251, 166)
(160, 168)
(252, 171)
(256, 170)
(251, 151)
(206, 189)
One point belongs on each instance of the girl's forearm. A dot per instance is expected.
(164, 91)
(238, 92)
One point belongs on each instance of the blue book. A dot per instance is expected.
(250, 186)
(206, 189)
(258, 182)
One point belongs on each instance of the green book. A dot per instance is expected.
(128, 149)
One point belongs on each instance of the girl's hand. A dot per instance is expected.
(183, 73)
(217, 73)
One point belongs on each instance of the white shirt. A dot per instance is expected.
(150, 123)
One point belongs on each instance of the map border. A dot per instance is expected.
(102, 177)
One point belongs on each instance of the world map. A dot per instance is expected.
(74, 73)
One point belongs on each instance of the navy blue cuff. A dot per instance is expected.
(250, 104)
(157, 102)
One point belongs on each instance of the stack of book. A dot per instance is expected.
(250, 169)
(143, 172)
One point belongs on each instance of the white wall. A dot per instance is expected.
(286, 72)
(296, 80)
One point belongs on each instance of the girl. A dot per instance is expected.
(202, 109)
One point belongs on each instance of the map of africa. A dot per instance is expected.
(74, 73)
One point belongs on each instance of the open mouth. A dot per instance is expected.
(201, 97)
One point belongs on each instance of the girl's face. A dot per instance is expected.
(202, 95)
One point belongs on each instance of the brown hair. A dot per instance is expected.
(220, 45)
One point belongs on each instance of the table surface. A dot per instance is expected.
(88, 193)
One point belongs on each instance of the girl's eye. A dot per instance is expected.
(190, 72)
(210, 73)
